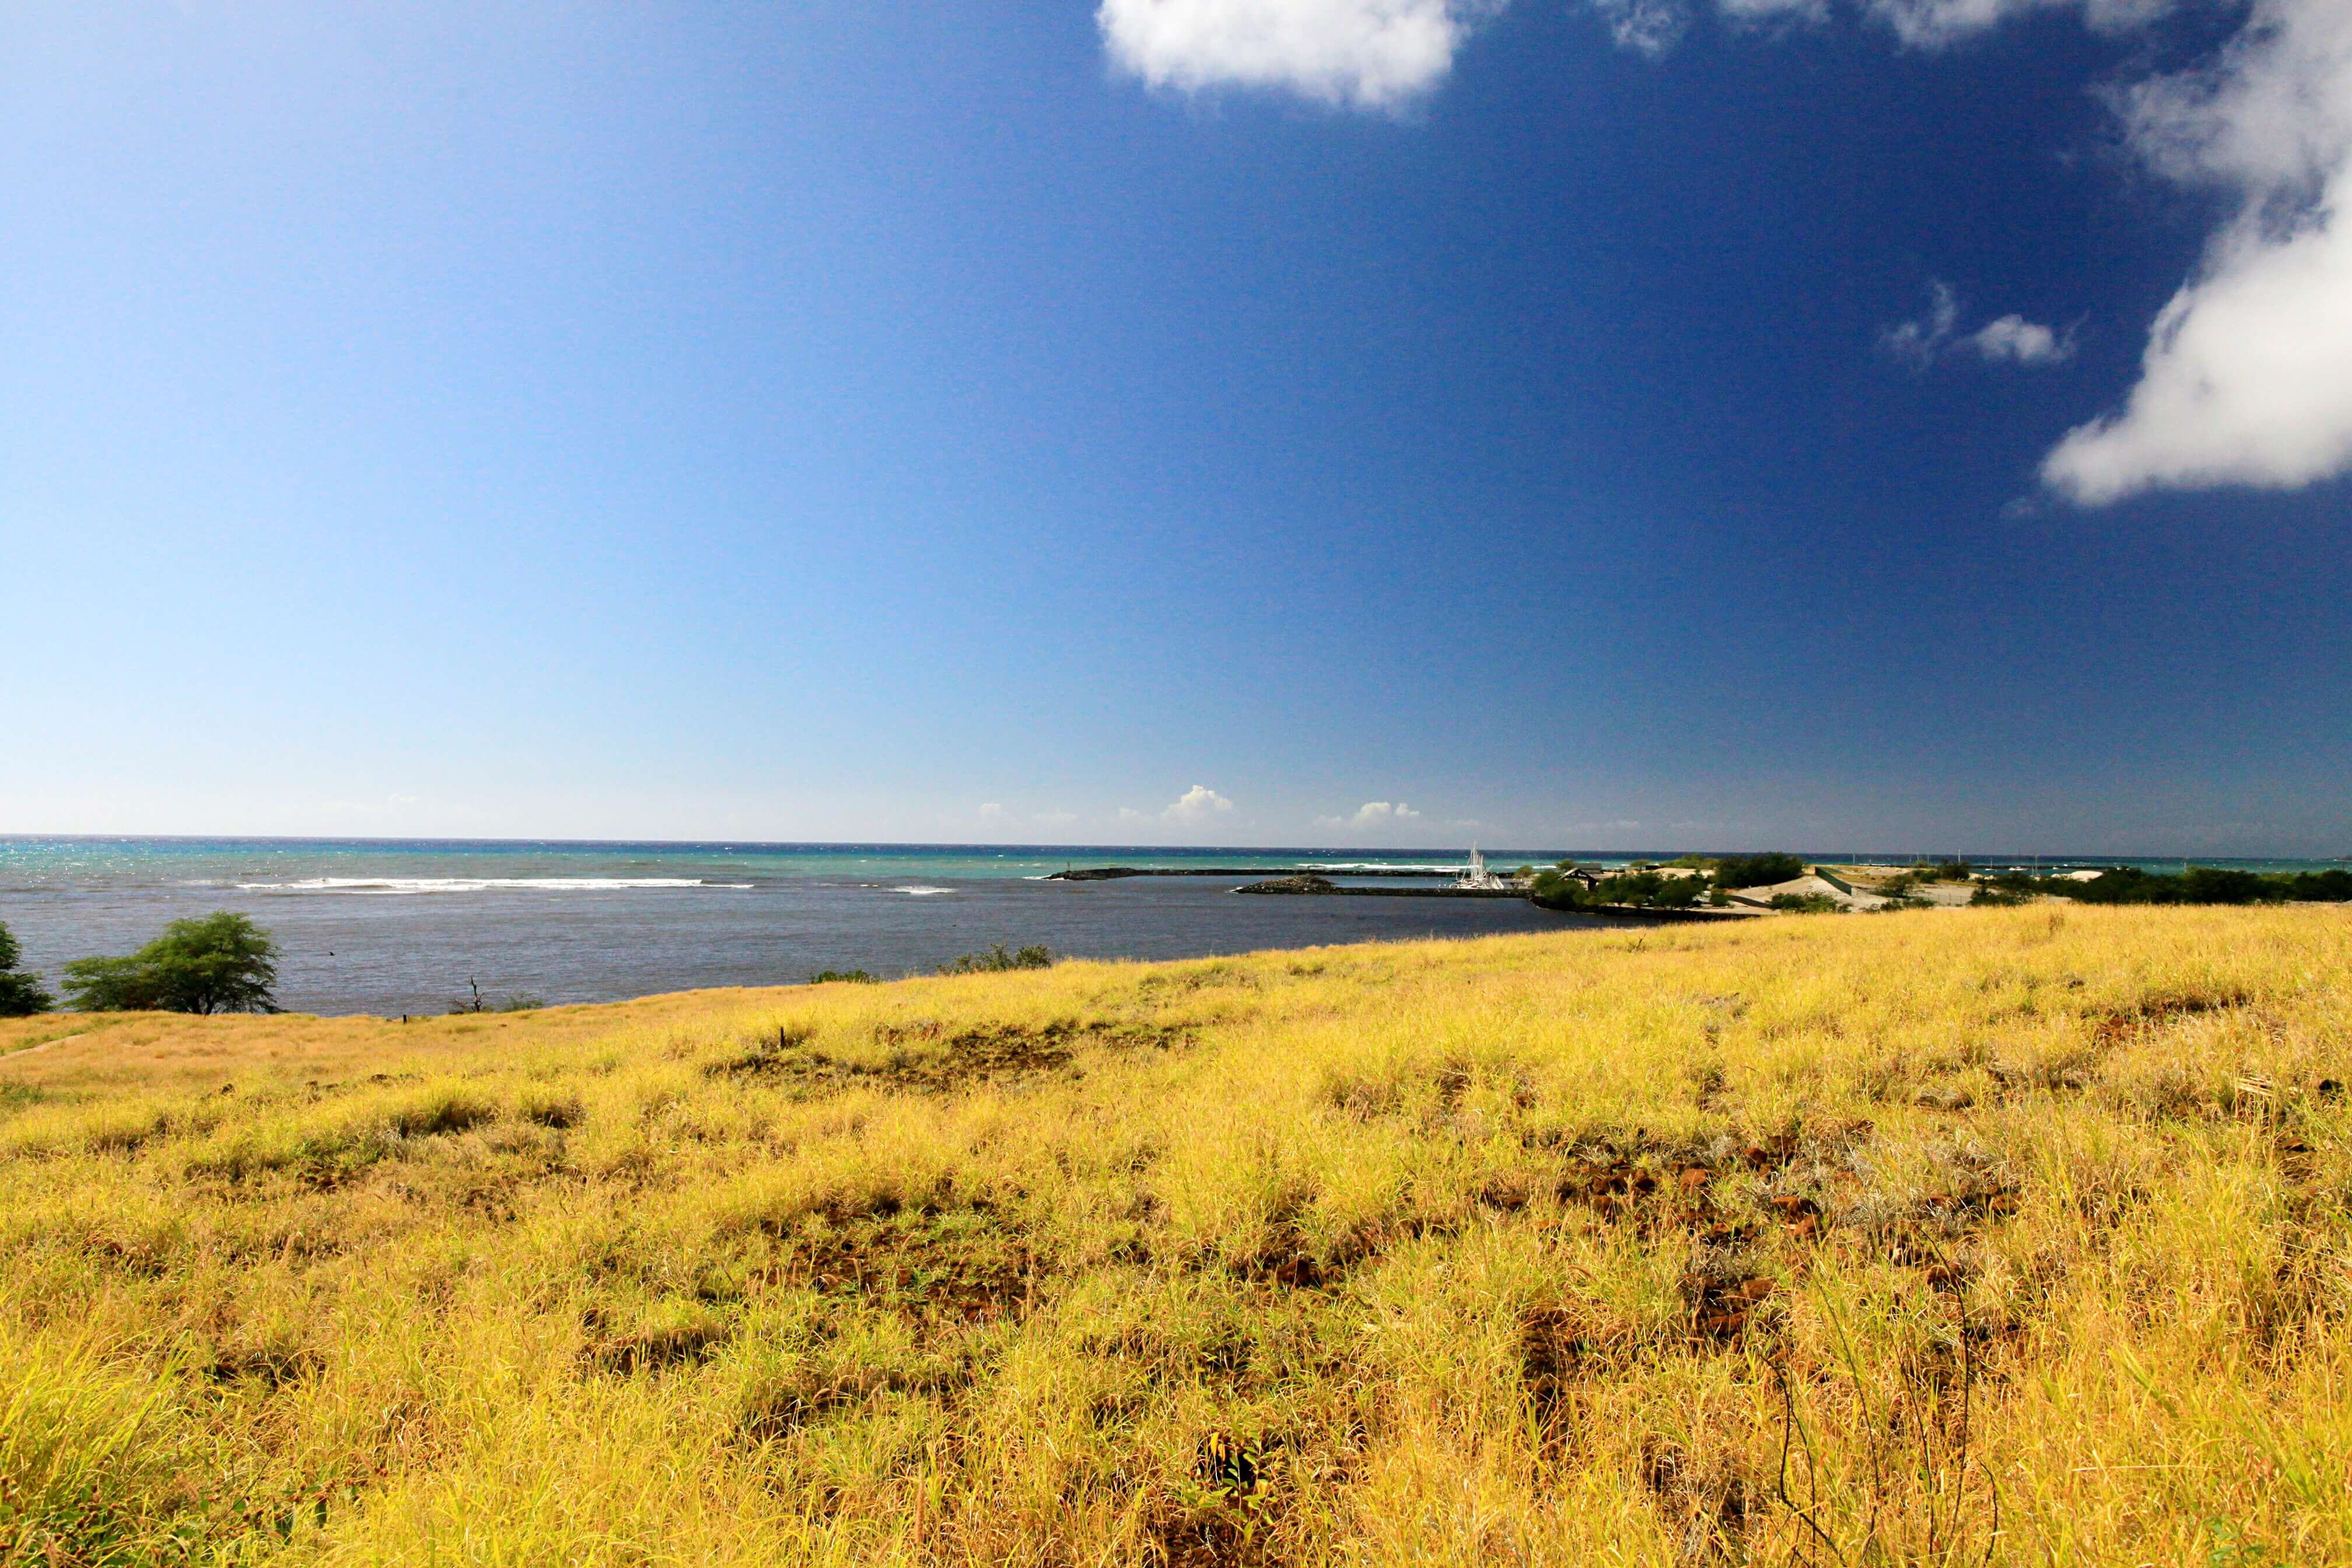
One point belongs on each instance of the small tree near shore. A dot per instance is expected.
(220, 964)
(997, 958)
(21, 994)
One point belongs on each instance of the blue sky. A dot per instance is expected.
(1235, 421)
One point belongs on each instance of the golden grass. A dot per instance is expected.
(2001, 1236)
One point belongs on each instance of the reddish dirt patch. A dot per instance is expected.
(653, 1350)
(937, 1267)
(1721, 1307)
(2109, 1029)
(1551, 1351)
(926, 1058)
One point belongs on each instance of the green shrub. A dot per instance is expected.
(2196, 885)
(1806, 903)
(1758, 870)
(1678, 892)
(220, 964)
(21, 994)
(997, 958)
(842, 976)
(1556, 890)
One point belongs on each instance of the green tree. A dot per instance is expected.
(220, 964)
(20, 994)
(996, 959)
(1758, 870)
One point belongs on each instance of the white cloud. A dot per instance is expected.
(1198, 804)
(1646, 26)
(1364, 54)
(1918, 342)
(2014, 340)
(1373, 814)
(2247, 378)
(992, 812)
(1767, 11)
(2007, 340)
(1932, 23)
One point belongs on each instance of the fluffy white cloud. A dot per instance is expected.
(2247, 377)
(2248, 374)
(1198, 804)
(2006, 340)
(2014, 340)
(1930, 24)
(1646, 26)
(1366, 54)
(1371, 814)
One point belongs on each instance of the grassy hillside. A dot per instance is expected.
(2011, 1236)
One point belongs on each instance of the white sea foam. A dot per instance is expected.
(480, 884)
(1384, 865)
(921, 891)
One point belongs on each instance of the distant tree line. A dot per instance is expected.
(1677, 884)
(1682, 883)
(2196, 885)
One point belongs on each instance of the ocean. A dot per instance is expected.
(412, 926)
(390, 926)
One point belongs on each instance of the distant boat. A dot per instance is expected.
(1477, 879)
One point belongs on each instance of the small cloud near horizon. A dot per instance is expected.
(1373, 814)
(1198, 804)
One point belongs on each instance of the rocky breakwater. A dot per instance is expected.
(1308, 882)
(1303, 882)
(1115, 873)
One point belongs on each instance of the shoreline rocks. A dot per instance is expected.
(1303, 882)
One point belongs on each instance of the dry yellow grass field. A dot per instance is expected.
(2009, 1236)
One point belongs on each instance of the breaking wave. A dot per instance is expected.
(480, 884)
